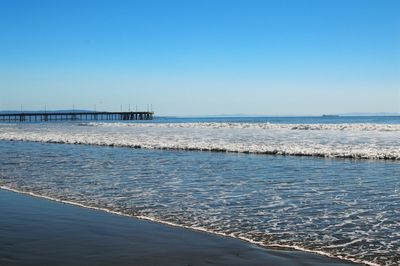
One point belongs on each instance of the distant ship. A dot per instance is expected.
(330, 115)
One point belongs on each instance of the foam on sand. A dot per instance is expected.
(270, 256)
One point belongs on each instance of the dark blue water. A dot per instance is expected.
(284, 120)
(345, 208)
(272, 120)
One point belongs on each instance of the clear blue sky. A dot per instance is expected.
(202, 57)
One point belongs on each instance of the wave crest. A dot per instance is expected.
(219, 125)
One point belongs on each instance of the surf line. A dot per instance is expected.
(388, 156)
(194, 228)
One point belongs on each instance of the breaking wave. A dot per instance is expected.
(219, 125)
(355, 141)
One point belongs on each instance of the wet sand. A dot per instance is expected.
(35, 231)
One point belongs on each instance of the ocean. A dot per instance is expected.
(328, 185)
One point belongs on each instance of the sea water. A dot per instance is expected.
(339, 196)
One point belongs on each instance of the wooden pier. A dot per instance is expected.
(74, 116)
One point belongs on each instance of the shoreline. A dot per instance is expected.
(264, 258)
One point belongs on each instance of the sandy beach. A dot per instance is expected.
(37, 231)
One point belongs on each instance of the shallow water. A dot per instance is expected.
(346, 208)
(36, 231)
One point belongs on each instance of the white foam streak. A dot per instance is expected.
(345, 244)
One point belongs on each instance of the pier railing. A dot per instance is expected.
(74, 116)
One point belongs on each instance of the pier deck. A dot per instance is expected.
(74, 116)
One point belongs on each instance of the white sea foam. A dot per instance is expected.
(216, 125)
(357, 141)
(200, 229)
